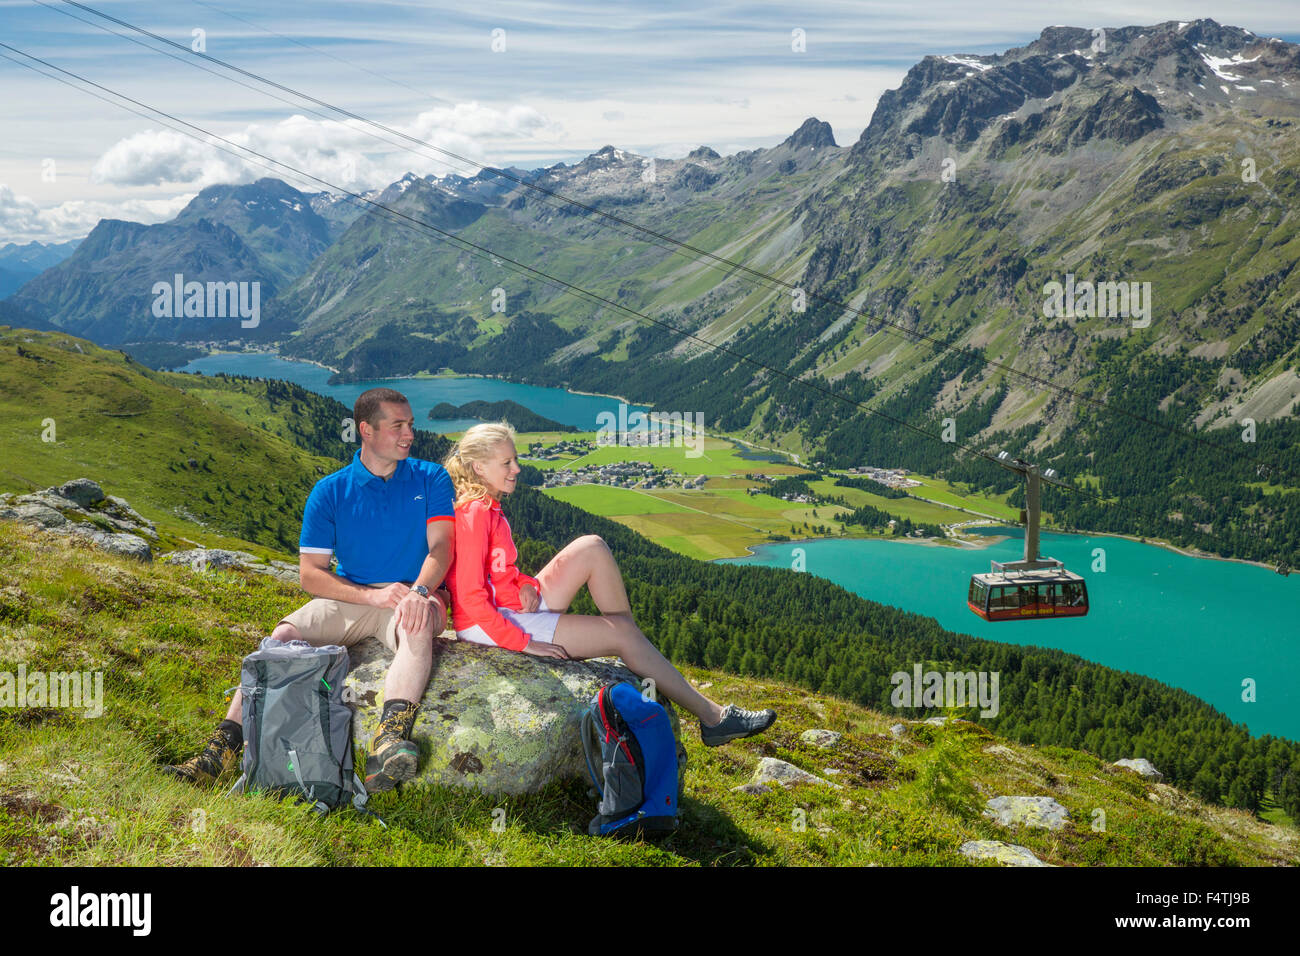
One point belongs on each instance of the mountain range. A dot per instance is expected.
(1160, 160)
(22, 263)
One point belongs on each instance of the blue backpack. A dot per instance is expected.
(638, 778)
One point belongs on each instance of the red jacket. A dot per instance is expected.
(483, 576)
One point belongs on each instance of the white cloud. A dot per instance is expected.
(342, 153)
(157, 157)
(23, 220)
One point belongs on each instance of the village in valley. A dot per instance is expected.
(720, 496)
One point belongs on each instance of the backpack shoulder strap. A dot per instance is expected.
(587, 731)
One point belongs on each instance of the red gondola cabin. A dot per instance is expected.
(1027, 595)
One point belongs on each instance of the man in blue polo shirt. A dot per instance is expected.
(388, 519)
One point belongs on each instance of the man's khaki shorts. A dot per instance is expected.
(321, 621)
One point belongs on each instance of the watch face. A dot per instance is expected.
(421, 590)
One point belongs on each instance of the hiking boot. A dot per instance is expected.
(736, 723)
(219, 756)
(393, 755)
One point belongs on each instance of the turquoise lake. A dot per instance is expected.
(568, 408)
(1194, 623)
(1198, 624)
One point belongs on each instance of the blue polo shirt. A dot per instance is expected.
(377, 528)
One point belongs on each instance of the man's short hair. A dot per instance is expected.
(368, 407)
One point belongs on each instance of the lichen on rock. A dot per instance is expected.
(495, 720)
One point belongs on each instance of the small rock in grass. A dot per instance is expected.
(1042, 812)
(772, 770)
(1008, 854)
(825, 739)
(1141, 766)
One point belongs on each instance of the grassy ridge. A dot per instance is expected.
(232, 459)
(184, 464)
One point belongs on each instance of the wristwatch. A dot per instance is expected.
(421, 590)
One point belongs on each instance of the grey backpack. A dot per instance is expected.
(297, 727)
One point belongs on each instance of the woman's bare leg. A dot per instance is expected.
(609, 635)
(586, 560)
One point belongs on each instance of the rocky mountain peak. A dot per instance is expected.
(813, 133)
(1171, 71)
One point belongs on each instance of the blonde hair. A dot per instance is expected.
(475, 445)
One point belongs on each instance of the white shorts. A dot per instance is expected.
(539, 625)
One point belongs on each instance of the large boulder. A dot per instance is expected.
(81, 491)
(79, 507)
(495, 720)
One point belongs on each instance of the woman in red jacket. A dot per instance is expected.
(493, 602)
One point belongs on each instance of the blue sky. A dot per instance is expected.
(656, 79)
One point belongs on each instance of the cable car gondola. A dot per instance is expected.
(1034, 588)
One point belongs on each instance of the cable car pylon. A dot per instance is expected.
(1035, 587)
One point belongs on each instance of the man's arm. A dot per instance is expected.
(440, 536)
(318, 580)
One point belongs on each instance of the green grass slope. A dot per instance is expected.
(225, 460)
(77, 791)
(70, 409)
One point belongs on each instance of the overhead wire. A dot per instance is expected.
(192, 129)
(410, 222)
(697, 253)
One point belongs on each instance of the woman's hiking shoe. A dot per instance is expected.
(393, 756)
(219, 756)
(736, 723)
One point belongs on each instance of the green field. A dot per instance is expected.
(936, 489)
(911, 508)
(710, 523)
(721, 520)
(92, 793)
(607, 500)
